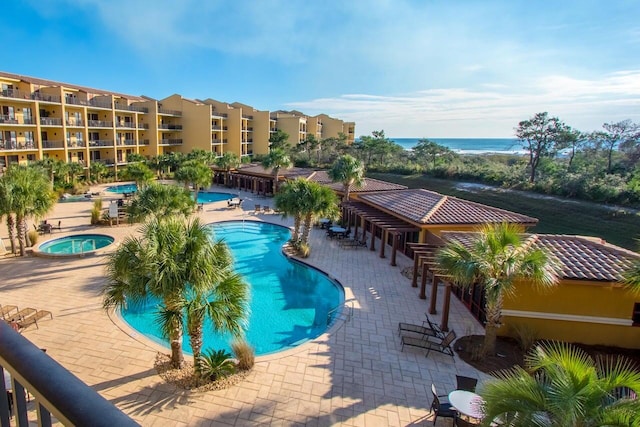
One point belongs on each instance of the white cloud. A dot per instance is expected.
(463, 112)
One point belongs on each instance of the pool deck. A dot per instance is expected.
(354, 375)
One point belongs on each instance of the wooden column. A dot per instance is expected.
(383, 241)
(416, 261)
(373, 236)
(364, 230)
(394, 249)
(434, 294)
(423, 281)
(355, 226)
(444, 325)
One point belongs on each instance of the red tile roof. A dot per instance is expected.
(428, 207)
(369, 184)
(582, 258)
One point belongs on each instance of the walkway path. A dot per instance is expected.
(354, 375)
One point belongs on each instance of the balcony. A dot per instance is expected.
(100, 104)
(52, 145)
(99, 124)
(126, 142)
(15, 94)
(107, 162)
(8, 120)
(169, 126)
(45, 97)
(171, 142)
(216, 141)
(101, 143)
(131, 108)
(169, 112)
(247, 117)
(75, 123)
(214, 114)
(71, 100)
(143, 126)
(214, 127)
(18, 146)
(76, 144)
(128, 125)
(33, 371)
(145, 142)
(50, 121)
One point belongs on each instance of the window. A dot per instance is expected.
(79, 136)
(636, 314)
(28, 139)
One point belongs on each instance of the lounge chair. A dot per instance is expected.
(6, 310)
(417, 329)
(429, 324)
(266, 209)
(257, 210)
(32, 319)
(431, 343)
(25, 312)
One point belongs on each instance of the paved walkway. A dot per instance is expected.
(355, 375)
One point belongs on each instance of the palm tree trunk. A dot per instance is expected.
(11, 226)
(175, 336)
(22, 235)
(493, 313)
(306, 227)
(275, 181)
(345, 192)
(195, 339)
(297, 219)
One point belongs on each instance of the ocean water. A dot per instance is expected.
(468, 145)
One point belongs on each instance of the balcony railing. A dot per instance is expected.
(126, 142)
(171, 142)
(76, 144)
(171, 112)
(52, 145)
(14, 145)
(247, 117)
(50, 121)
(101, 143)
(75, 123)
(15, 93)
(214, 127)
(55, 390)
(145, 142)
(129, 125)
(100, 124)
(107, 162)
(143, 126)
(8, 120)
(75, 101)
(216, 141)
(45, 97)
(99, 104)
(131, 108)
(214, 114)
(169, 126)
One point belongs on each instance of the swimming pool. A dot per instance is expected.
(290, 302)
(122, 188)
(76, 245)
(212, 196)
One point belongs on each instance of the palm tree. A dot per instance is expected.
(318, 201)
(497, 258)
(196, 173)
(172, 261)
(229, 160)
(50, 165)
(138, 172)
(349, 171)
(289, 201)
(160, 200)
(75, 170)
(276, 160)
(31, 196)
(564, 386)
(98, 171)
(6, 205)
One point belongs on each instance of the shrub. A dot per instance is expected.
(525, 334)
(96, 211)
(216, 363)
(304, 250)
(32, 235)
(244, 354)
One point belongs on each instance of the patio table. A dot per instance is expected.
(467, 403)
(340, 231)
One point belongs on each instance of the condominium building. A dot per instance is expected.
(43, 118)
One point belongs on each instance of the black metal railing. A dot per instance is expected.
(56, 391)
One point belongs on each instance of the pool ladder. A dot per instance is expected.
(346, 315)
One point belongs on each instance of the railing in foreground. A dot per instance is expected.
(55, 390)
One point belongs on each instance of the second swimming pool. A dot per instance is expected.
(290, 302)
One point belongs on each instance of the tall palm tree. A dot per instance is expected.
(349, 171)
(172, 261)
(196, 173)
(98, 171)
(31, 196)
(160, 200)
(50, 165)
(564, 386)
(229, 160)
(497, 258)
(138, 172)
(225, 306)
(318, 201)
(276, 159)
(6, 206)
(289, 201)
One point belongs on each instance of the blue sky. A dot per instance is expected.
(465, 68)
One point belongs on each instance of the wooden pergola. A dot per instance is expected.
(387, 223)
(424, 255)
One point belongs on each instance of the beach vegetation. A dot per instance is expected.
(196, 173)
(217, 364)
(160, 200)
(348, 171)
(277, 159)
(245, 354)
(140, 173)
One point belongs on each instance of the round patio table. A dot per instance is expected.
(467, 403)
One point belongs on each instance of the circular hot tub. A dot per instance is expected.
(77, 245)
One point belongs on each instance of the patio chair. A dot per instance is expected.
(6, 310)
(266, 209)
(416, 329)
(429, 343)
(429, 324)
(439, 409)
(25, 322)
(20, 315)
(466, 383)
(257, 210)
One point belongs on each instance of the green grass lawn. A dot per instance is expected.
(557, 216)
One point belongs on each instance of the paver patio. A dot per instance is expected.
(355, 375)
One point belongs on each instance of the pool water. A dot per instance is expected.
(122, 188)
(210, 196)
(77, 244)
(290, 302)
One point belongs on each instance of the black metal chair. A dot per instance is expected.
(466, 383)
(444, 410)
